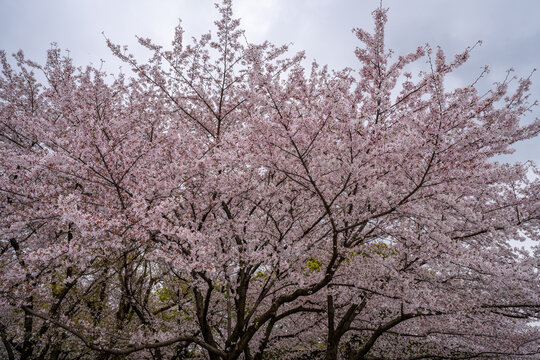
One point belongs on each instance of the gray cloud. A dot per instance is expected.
(510, 31)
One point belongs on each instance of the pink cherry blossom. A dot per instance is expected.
(225, 202)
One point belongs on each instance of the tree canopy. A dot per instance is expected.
(226, 202)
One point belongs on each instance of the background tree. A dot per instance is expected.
(226, 203)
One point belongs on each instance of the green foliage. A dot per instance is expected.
(313, 264)
(163, 294)
(259, 274)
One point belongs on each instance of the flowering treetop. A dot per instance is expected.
(226, 202)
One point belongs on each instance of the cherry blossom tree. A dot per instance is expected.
(225, 202)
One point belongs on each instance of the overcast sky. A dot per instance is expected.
(510, 31)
